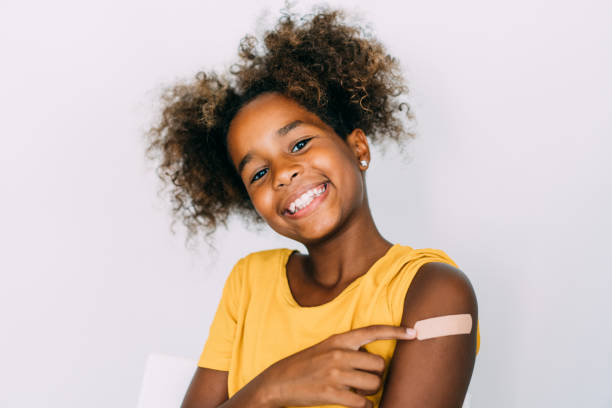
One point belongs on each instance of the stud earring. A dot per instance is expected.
(363, 163)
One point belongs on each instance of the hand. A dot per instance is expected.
(333, 371)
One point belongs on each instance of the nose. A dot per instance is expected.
(285, 172)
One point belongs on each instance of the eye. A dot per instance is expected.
(301, 143)
(255, 178)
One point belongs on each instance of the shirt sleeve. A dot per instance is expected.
(217, 352)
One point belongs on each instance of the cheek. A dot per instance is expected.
(263, 201)
(340, 168)
(332, 160)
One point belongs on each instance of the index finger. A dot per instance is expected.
(364, 335)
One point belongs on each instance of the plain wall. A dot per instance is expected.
(509, 175)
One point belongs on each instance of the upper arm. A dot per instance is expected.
(208, 389)
(435, 372)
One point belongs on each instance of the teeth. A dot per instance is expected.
(305, 199)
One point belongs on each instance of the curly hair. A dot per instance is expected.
(335, 70)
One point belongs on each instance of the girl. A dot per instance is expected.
(285, 139)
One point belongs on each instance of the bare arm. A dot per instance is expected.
(208, 389)
(433, 373)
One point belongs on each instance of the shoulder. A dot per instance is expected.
(264, 261)
(250, 268)
(438, 288)
(266, 255)
(441, 276)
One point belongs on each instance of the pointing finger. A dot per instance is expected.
(368, 334)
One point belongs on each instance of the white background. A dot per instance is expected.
(509, 175)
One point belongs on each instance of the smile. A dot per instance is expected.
(307, 203)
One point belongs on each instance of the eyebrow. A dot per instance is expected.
(280, 132)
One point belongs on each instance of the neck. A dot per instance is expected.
(348, 254)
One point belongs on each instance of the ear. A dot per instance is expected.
(358, 143)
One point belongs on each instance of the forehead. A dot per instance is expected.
(262, 118)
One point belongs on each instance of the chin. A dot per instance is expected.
(313, 230)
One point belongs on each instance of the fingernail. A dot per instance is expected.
(411, 333)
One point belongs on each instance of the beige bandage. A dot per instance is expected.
(443, 326)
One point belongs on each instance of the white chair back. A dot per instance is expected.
(165, 381)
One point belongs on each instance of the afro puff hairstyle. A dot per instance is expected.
(331, 68)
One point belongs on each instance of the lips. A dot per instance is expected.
(311, 207)
(297, 193)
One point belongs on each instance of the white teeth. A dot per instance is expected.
(305, 199)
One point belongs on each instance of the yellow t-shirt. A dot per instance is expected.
(258, 322)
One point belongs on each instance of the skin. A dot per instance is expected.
(343, 243)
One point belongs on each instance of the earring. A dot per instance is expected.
(363, 163)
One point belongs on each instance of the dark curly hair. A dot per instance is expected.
(335, 70)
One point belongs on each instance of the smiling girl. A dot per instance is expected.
(284, 139)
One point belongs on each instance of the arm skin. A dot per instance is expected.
(433, 373)
(208, 389)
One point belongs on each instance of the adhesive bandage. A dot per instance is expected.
(443, 326)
